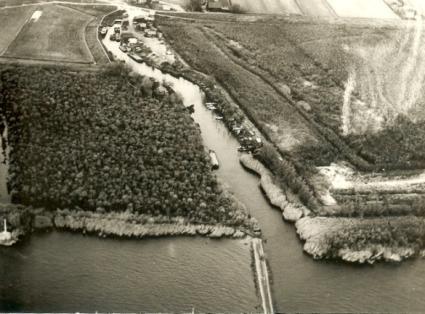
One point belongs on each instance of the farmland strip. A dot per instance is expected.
(17, 32)
(84, 30)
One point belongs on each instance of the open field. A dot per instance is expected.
(91, 31)
(418, 5)
(151, 161)
(91, 9)
(11, 22)
(315, 8)
(313, 61)
(258, 98)
(362, 8)
(58, 34)
(324, 8)
(269, 6)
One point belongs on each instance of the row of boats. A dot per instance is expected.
(250, 142)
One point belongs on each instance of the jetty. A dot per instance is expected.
(262, 276)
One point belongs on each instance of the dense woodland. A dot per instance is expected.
(107, 141)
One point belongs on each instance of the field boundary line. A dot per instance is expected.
(330, 8)
(17, 33)
(297, 2)
(63, 5)
(47, 60)
(85, 39)
(67, 65)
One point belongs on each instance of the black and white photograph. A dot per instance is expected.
(212, 156)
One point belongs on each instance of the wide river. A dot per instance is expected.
(70, 272)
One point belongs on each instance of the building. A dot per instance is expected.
(219, 5)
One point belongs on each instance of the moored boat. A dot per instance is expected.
(214, 160)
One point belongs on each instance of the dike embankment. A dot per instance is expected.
(276, 196)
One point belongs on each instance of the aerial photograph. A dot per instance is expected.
(212, 156)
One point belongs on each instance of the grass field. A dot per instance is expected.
(11, 21)
(91, 31)
(273, 113)
(312, 61)
(315, 8)
(317, 59)
(362, 8)
(269, 6)
(59, 34)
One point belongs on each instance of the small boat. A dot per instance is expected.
(135, 57)
(257, 230)
(243, 149)
(6, 236)
(237, 129)
(219, 117)
(211, 105)
(214, 160)
(103, 31)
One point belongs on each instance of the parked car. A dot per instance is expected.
(135, 57)
(103, 31)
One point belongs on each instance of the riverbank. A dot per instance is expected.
(277, 197)
(344, 238)
(24, 220)
(362, 240)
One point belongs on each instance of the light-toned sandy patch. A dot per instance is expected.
(36, 15)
